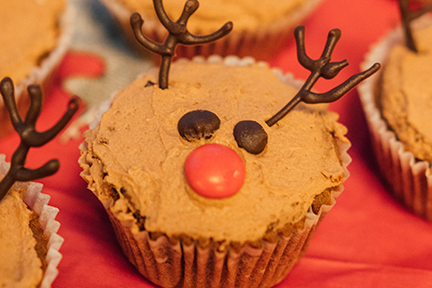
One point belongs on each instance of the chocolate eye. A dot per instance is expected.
(198, 124)
(251, 136)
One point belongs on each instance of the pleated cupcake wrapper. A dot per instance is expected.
(410, 179)
(38, 202)
(42, 74)
(260, 43)
(181, 265)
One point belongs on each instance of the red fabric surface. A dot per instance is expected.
(367, 240)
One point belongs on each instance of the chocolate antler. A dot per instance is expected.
(29, 136)
(178, 34)
(407, 16)
(320, 68)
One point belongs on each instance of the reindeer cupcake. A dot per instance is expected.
(397, 104)
(29, 242)
(209, 178)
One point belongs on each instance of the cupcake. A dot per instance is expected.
(260, 29)
(29, 242)
(397, 104)
(203, 186)
(35, 35)
(134, 162)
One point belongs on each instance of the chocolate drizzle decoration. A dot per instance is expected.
(251, 136)
(407, 16)
(198, 124)
(29, 136)
(321, 67)
(178, 34)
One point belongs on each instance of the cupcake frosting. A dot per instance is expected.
(136, 156)
(20, 265)
(212, 14)
(29, 33)
(406, 96)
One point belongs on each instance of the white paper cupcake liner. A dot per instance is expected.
(43, 73)
(260, 43)
(38, 202)
(181, 265)
(189, 265)
(409, 178)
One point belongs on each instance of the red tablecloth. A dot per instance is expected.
(367, 240)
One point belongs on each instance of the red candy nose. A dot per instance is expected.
(214, 171)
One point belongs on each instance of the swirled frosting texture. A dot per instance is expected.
(137, 151)
(406, 95)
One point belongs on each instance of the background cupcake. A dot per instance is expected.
(35, 35)
(397, 107)
(29, 242)
(260, 29)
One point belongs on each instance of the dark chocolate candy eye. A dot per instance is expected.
(251, 136)
(198, 124)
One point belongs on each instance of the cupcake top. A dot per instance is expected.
(405, 96)
(136, 156)
(212, 14)
(29, 33)
(20, 265)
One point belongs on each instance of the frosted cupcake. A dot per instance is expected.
(397, 107)
(29, 242)
(203, 186)
(35, 35)
(260, 29)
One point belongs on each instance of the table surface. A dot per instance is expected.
(367, 240)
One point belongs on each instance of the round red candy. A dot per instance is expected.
(214, 171)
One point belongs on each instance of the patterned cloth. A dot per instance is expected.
(98, 39)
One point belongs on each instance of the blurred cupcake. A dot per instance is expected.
(29, 242)
(260, 28)
(35, 35)
(397, 103)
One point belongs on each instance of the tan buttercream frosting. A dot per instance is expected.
(212, 14)
(136, 151)
(29, 32)
(20, 265)
(406, 94)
